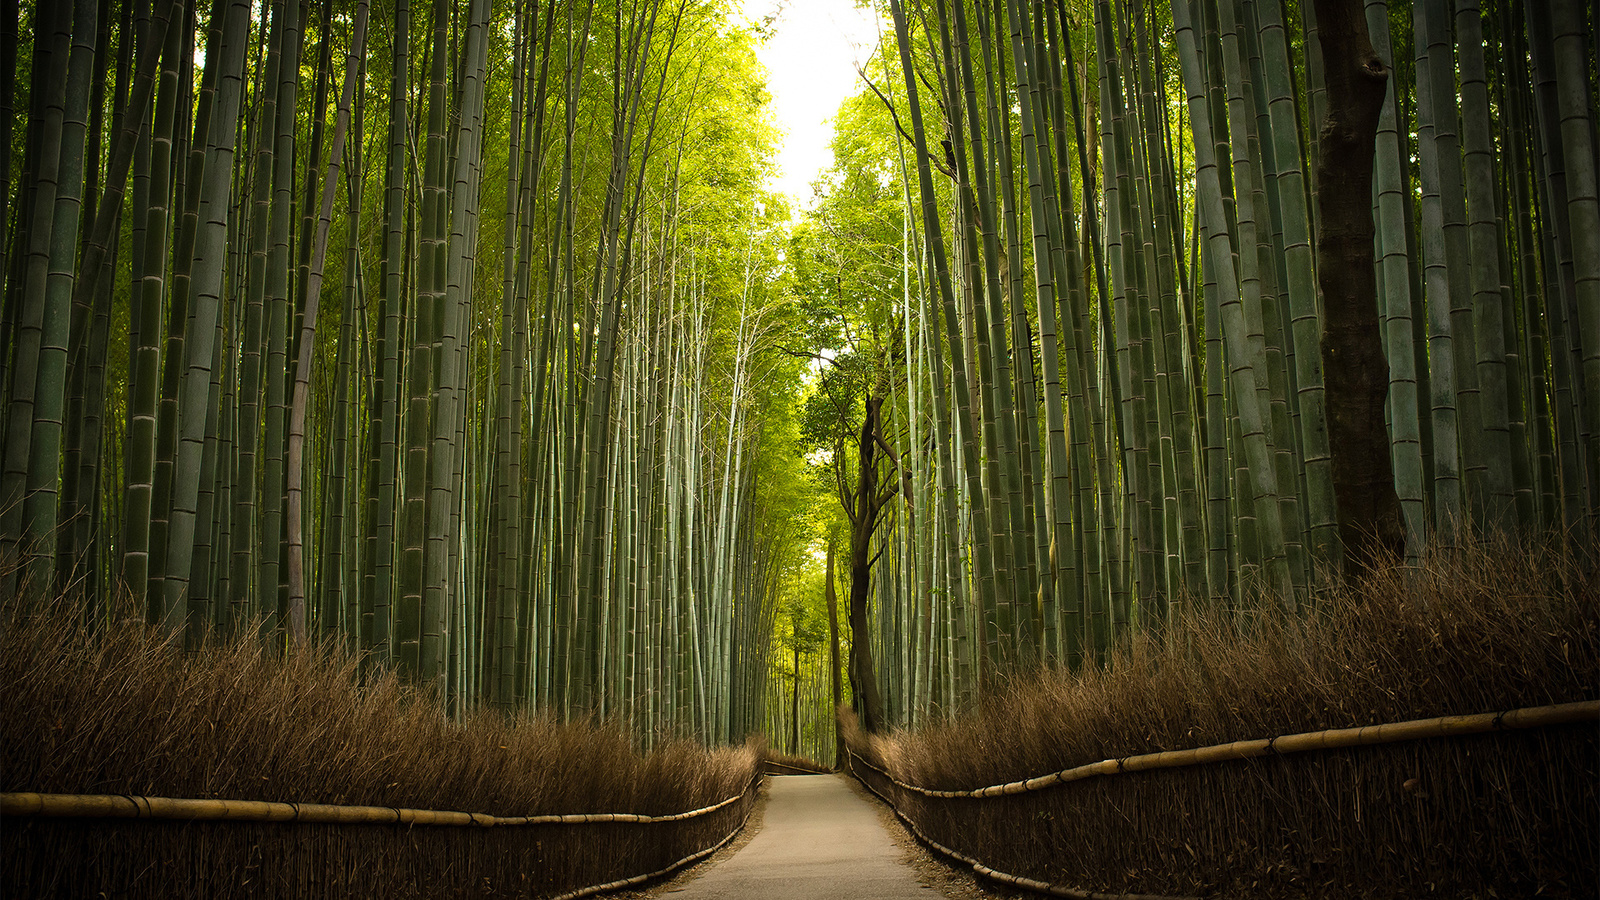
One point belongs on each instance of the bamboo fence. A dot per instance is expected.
(659, 873)
(1522, 719)
(22, 805)
(127, 806)
(1331, 739)
(1032, 884)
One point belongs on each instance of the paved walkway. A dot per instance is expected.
(819, 840)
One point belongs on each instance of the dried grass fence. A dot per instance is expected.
(899, 794)
(381, 770)
(1157, 784)
(374, 851)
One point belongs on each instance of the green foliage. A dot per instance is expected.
(845, 255)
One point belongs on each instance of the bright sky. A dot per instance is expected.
(811, 63)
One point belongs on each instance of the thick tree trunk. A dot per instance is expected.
(794, 708)
(863, 522)
(833, 638)
(1352, 349)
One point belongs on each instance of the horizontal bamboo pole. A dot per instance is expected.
(1332, 739)
(871, 765)
(1041, 887)
(659, 873)
(127, 806)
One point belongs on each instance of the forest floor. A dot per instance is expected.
(820, 836)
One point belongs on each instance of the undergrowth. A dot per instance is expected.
(122, 711)
(1483, 629)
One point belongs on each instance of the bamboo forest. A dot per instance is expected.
(1132, 377)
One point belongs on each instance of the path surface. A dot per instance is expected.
(819, 840)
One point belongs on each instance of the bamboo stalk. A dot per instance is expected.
(1331, 739)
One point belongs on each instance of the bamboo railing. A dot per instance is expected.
(1331, 739)
(660, 873)
(1054, 890)
(132, 806)
(128, 806)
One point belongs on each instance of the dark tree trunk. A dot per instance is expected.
(794, 708)
(1356, 373)
(833, 638)
(863, 522)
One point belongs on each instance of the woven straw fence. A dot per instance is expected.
(1496, 804)
(70, 845)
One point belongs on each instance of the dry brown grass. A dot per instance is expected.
(124, 713)
(1485, 629)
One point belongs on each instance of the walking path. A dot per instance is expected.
(820, 839)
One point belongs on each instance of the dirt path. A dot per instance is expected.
(819, 839)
